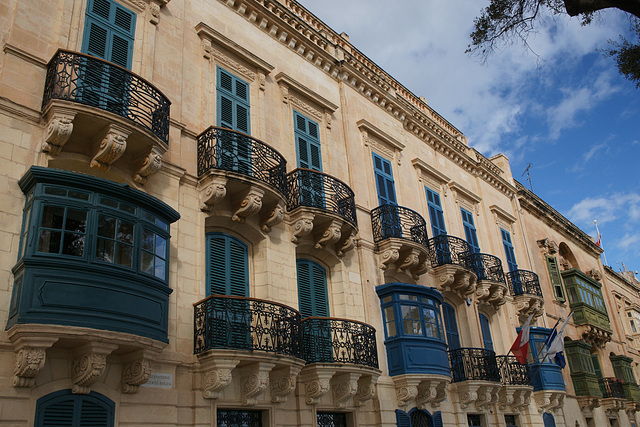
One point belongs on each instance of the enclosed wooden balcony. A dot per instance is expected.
(451, 264)
(240, 177)
(400, 235)
(322, 207)
(524, 286)
(105, 113)
(492, 284)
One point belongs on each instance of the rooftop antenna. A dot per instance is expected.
(526, 171)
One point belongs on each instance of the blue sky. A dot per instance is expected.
(563, 107)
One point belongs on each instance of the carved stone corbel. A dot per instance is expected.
(282, 382)
(411, 260)
(136, 369)
(366, 390)
(217, 376)
(549, 400)
(59, 131)
(347, 243)
(112, 146)
(207, 49)
(30, 358)
(150, 164)
(432, 392)
(255, 382)
(483, 291)
(487, 396)
(317, 383)
(89, 365)
(213, 192)
(154, 13)
(250, 205)
(330, 235)
(406, 388)
(275, 217)
(514, 398)
(302, 226)
(344, 387)
(420, 269)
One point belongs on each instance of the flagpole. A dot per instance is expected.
(599, 237)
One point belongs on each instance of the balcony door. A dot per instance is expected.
(310, 185)
(313, 300)
(438, 228)
(108, 34)
(389, 218)
(511, 261)
(451, 325)
(487, 341)
(233, 150)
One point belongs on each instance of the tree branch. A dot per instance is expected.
(576, 7)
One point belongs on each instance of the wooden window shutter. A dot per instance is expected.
(556, 279)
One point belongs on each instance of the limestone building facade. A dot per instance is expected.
(221, 212)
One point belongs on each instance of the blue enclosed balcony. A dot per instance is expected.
(450, 261)
(492, 284)
(400, 235)
(524, 286)
(546, 377)
(323, 208)
(240, 176)
(106, 113)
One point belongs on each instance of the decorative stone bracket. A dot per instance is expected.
(424, 390)
(149, 164)
(404, 257)
(30, 358)
(217, 375)
(482, 394)
(112, 145)
(274, 217)
(366, 390)
(282, 382)
(632, 407)
(456, 279)
(327, 231)
(59, 129)
(594, 335)
(613, 405)
(587, 403)
(491, 293)
(514, 398)
(88, 365)
(255, 382)
(316, 383)
(136, 369)
(528, 304)
(212, 192)
(549, 400)
(250, 205)
(344, 384)
(344, 387)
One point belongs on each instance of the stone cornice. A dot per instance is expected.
(298, 29)
(538, 207)
(619, 276)
(282, 78)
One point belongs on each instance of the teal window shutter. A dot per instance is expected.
(109, 32)
(508, 250)
(313, 297)
(450, 323)
(435, 213)
(62, 408)
(486, 332)
(384, 180)
(233, 102)
(307, 142)
(470, 230)
(227, 266)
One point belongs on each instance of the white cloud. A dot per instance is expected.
(629, 241)
(616, 207)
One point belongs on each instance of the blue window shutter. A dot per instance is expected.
(233, 109)
(402, 419)
(470, 230)
(384, 180)
(450, 323)
(508, 250)
(62, 408)
(227, 266)
(313, 298)
(109, 32)
(437, 419)
(435, 213)
(486, 332)
(307, 142)
(548, 420)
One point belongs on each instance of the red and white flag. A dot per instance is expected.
(520, 346)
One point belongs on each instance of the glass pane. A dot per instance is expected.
(55, 191)
(161, 247)
(108, 202)
(146, 263)
(73, 244)
(408, 297)
(411, 320)
(125, 256)
(107, 227)
(76, 220)
(53, 217)
(148, 240)
(125, 232)
(160, 268)
(78, 195)
(388, 299)
(49, 241)
(105, 250)
(127, 208)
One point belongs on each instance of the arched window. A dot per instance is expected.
(62, 408)
(418, 418)
(227, 266)
(548, 419)
(313, 297)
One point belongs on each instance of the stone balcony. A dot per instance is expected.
(524, 286)
(450, 264)
(492, 285)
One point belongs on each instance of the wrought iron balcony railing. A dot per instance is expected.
(612, 387)
(331, 340)
(523, 282)
(468, 364)
(88, 80)
(392, 221)
(240, 323)
(487, 267)
(445, 249)
(226, 149)
(318, 190)
(512, 372)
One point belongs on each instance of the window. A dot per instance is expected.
(384, 181)
(584, 290)
(109, 31)
(307, 142)
(313, 299)
(470, 230)
(486, 332)
(418, 418)
(508, 249)
(579, 357)
(555, 278)
(451, 325)
(548, 420)
(91, 227)
(417, 315)
(331, 419)
(474, 420)
(227, 266)
(435, 213)
(511, 420)
(623, 369)
(233, 103)
(238, 418)
(64, 408)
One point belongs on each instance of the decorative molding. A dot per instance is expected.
(255, 382)
(59, 129)
(424, 170)
(344, 387)
(316, 382)
(366, 389)
(347, 244)
(456, 279)
(526, 305)
(549, 400)
(459, 190)
(380, 141)
(112, 145)
(548, 247)
(217, 375)
(136, 370)
(499, 213)
(302, 226)
(514, 397)
(250, 205)
(212, 192)
(274, 217)
(26, 56)
(330, 235)
(421, 390)
(284, 80)
(150, 164)
(282, 382)
(88, 365)
(408, 257)
(30, 359)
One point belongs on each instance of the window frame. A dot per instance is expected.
(234, 99)
(421, 302)
(436, 213)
